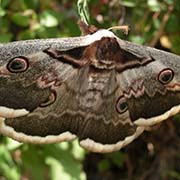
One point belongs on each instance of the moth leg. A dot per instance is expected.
(86, 29)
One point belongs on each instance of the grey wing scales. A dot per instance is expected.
(85, 107)
(152, 90)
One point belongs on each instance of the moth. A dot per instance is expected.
(96, 87)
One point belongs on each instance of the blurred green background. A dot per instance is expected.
(155, 155)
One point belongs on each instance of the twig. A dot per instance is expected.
(161, 29)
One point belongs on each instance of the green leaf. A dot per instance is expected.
(27, 34)
(174, 175)
(129, 3)
(175, 40)
(104, 165)
(67, 166)
(4, 25)
(5, 37)
(154, 5)
(31, 4)
(45, 32)
(58, 171)
(156, 23)
(117, 158)
(4, 3)
(72, 29)
(137, 39)
(2, 12)
(12, 144)
(7, 167)
(77, 151)
(20, 20)
(48, 19)
(169, 1)
(173, 24)
(33, 162)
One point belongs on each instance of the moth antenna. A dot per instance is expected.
(124, 28)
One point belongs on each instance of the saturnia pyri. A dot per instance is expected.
(97, 87)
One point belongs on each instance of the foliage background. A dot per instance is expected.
(156, 154)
